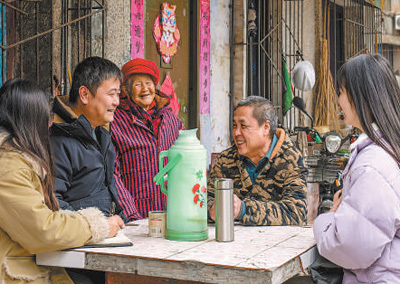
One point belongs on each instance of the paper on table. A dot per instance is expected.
(120, 240)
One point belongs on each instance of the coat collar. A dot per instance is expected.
(362, 142)
(281, 134)
(3, 135)
(64, 113)
(67, 123)
(62, 110)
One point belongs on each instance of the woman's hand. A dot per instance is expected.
(337, 199)
(114, 223)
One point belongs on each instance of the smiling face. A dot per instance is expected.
(141, 90)
(251, 139)
(349, 111)
(99, 108)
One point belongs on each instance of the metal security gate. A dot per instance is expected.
(355, 28)
(82, 35)
(274, 35)
(45, 38)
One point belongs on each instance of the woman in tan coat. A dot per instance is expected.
(30, 221)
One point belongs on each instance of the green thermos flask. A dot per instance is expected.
(186, 173)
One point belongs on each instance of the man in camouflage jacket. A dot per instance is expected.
(269, 177)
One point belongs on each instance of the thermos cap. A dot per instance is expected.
(223, 183)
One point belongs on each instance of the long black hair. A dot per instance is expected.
(25, 114)
(374, 92)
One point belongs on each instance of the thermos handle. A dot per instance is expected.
(161, 177)
(164, 177)
(161, 157)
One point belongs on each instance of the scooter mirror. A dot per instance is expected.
(299, 103)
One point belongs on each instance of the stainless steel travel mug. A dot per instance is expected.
(224, 210)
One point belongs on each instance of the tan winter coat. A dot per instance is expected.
(28, 226)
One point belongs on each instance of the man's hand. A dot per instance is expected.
(237, 206)
(212, 212)
(337, 199)
(114, 223)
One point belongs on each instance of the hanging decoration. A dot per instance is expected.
(168, 88)
(166, 32)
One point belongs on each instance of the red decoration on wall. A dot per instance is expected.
(137, 29)
(166, 32)
(168, 88)
(205, 59)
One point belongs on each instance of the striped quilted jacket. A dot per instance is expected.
(278, 195)
(137, 150)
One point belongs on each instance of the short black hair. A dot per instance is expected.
(263, 110)
(91, 72)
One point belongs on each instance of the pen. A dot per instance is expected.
(112, 209)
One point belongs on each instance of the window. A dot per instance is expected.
(41, 41)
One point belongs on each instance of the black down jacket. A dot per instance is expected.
(84, 165)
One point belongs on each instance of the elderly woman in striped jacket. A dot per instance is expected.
(143, 127)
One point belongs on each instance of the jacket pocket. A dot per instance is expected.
(24, 270)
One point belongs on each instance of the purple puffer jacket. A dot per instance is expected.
(363, 235)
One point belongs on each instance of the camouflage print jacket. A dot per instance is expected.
(278, 195)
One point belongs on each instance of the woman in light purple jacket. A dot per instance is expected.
(361, 233)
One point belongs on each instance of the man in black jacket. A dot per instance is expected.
(83, 151)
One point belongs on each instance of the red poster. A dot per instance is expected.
(204, 56)
(137, 29)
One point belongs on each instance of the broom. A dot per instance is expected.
(325, 105)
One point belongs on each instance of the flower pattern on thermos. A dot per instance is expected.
(199, 194)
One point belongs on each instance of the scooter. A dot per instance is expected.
(325, 166)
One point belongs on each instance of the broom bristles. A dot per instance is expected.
(325, 108)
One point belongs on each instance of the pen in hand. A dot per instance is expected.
(112, 209)
(114, 221)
